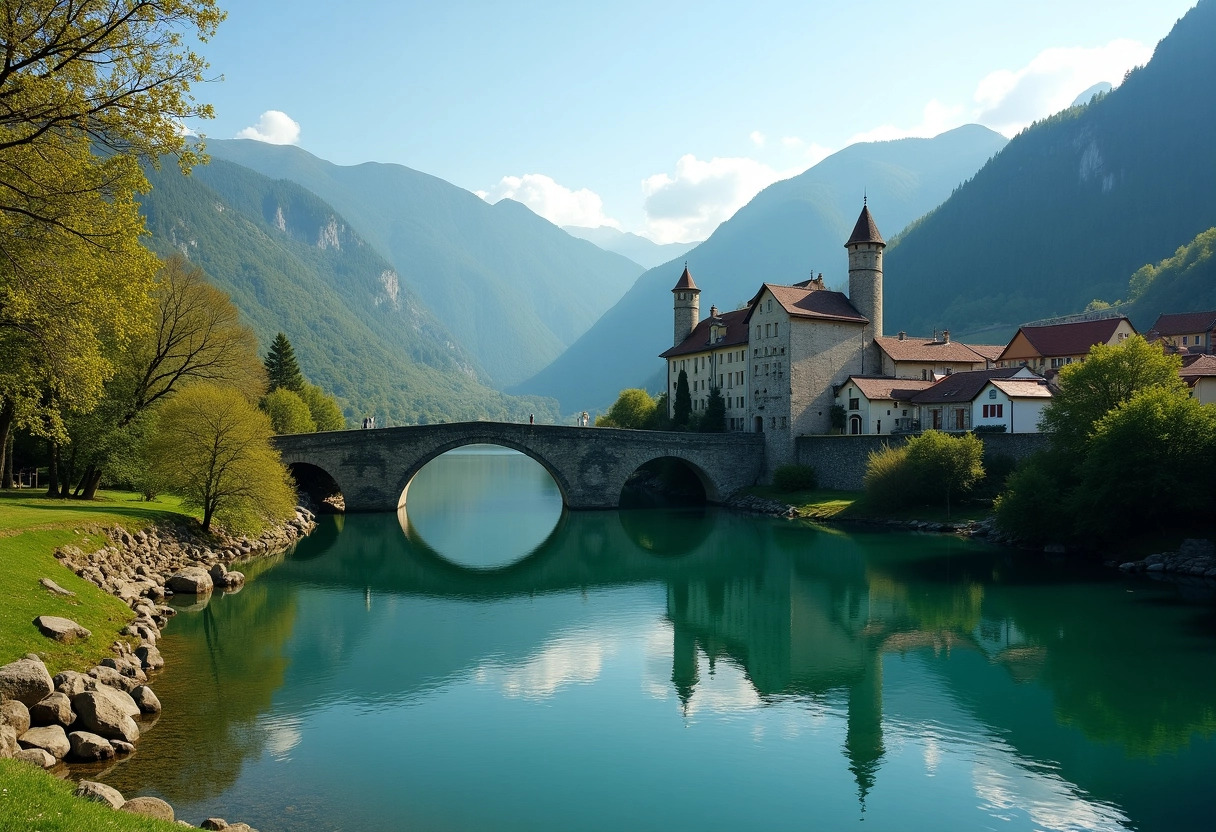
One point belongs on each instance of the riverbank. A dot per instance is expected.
(106, 608)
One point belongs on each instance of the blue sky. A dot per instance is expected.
(658, 118)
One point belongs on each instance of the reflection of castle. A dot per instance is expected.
(793, 635)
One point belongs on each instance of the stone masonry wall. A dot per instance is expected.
(840, 461)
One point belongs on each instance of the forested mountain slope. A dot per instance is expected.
(788, 230)
(1073, 204)
(514, 289)
(291, 263)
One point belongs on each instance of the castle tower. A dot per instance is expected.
(687, 306)
(865, 247)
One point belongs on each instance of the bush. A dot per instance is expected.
(888, 480)
(795, 478)
(1032, 507)
(989, 429)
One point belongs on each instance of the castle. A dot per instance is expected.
(779, 359)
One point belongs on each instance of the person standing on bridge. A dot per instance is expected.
(531, 418)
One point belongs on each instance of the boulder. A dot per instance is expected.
(25, 680)
(233, 579)
(146, 700)
(121, 698)
(72, 682)
(55, 588)
(89, 747)
(101, 714)
(8, 741)
(152, 807)
(150, 656)
(15, 713)
(121, 747)
(56, 709)
(214, 824)
(218, 572)
(191, 580)
(51, 739)
(112, 678)
(36, 756)
(100, 792)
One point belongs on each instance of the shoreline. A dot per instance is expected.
(81, 718)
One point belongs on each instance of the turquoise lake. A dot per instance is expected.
(485, 661)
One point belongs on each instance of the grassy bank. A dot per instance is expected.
(823, 504)
(31, 528)
(31, 799)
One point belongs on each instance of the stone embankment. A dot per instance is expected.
(93, 716)
(775, 508)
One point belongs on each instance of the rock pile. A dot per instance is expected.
(760, 505)
(1195, 559)
(152, 807)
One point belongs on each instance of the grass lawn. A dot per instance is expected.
(823, 504)
(31, 799)
(31, 528)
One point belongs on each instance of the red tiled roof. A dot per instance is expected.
(962, 387)
(866, 231)
(1022, 388)
(895, 389)
(990, 351)
(698, 340)
(801, 302)
(925, 349)
(1069, 339)
(1185, 323)
(1201, 365)
(685, 282)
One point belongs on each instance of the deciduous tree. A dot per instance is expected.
(633, 408)
(288, 412)
(324, 408)
(212, 447)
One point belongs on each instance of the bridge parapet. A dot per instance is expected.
(589, 465)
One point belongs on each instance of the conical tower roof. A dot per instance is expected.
(866, 231)
(686, 283)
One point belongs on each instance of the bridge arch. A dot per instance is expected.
(588, 465)
(318, 484)
(407, 477)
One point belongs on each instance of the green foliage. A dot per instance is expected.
(634, 408)
(212, 448)
(682, 411)
(930, 469)
(660, 420)
(1185, 282)
(1109, 376)
(1033, 507)
(888, 481)
(324, 408)
(714, 418)
(795, 477)
(281, 367)
(1149, 463)
(288, 412)
(837, 415)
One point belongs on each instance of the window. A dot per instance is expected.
(854, 404)
(924, 375)
(757, 330)
(775, 329)
(770, 305)
(784, 424)
(992, 393)
(960, 418)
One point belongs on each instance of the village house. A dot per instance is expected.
(901, 356)
(880, 405)
(1051, 346)
(1199, 373)
(1193, 332)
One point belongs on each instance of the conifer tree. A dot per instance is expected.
(715, 413)
(281, 366)
(683, 406)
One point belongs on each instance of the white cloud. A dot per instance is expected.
(757, 138)
(273, 127)
(935, 119)
(694, 200)
(556, 203)
(1008, 100)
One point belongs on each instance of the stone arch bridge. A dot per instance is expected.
(590, 465)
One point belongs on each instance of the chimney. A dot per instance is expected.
(713, 311)
(902, 335)
(945, 336)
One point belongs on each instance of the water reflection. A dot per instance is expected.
(456, 508)
(923, 681)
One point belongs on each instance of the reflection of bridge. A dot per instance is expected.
(590, 465)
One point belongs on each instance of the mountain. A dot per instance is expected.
(513, 288)
(1100, 88)
(640, 250)
(788, 231)
(1074, 204)
(292, 264)
(1184, 282)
